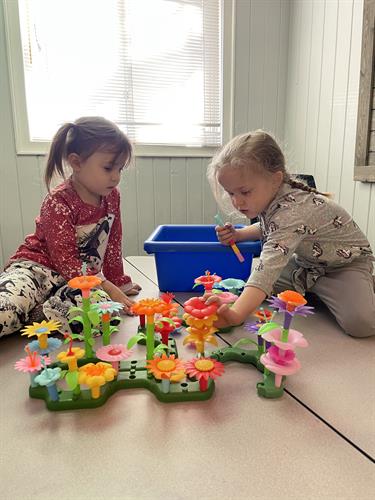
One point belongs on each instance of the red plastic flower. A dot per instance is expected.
(197, 307)
(203, 369)
(208, 280)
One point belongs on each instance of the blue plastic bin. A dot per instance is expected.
(184, 252)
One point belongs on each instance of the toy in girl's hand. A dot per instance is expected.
(219, 221)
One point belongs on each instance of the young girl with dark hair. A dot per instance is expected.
(79, 222)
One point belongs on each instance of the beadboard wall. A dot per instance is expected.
(286, 80)
(324, 53)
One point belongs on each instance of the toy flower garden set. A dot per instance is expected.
(82, 377)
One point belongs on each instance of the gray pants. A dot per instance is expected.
(348, 292)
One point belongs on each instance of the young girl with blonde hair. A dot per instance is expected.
(79, 222)
(310, 243)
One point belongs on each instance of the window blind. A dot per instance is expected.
(152, 66)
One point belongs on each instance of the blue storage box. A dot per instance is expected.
(184, 252)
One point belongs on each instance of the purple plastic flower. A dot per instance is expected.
(282, 306)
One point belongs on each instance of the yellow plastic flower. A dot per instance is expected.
(71, 359)
(200, 336)
(41, 330)
(199, 323)
(167, 367)
(95, 375)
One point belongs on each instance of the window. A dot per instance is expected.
(364, 169)
(155, 67)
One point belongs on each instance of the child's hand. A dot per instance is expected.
(226, 234)
(227, 316)
(118, 296)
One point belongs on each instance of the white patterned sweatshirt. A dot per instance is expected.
(310, 228)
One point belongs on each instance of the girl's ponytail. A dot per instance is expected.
(56, 154)
(297, 184)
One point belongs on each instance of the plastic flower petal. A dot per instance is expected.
(263, 315)
(113, 352)
(150, 307)
(43, 328)
(64, 356)
(208, 280)
(84, 283)
(48, 376)
(280, 356)
(227, 297)
(291, 302)
(197, 307)
(52, 345)
(230, 284)
(203, 369)
(199, 322)
(279, 370)
(32, 363)
(295, 339)
(168, 367)
(96, 374)
(107, 307)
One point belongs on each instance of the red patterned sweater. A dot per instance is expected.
(70, 232)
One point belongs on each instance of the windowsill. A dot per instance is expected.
(364, 174)
(42, 148)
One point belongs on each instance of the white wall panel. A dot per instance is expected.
(322, 98)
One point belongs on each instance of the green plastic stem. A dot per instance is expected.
(150, 338)
(87, 327)
(106, 332)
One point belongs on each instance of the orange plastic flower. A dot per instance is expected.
(292, 299)
(84, 283)
(263, 315)
(149, 307)
(167, 367)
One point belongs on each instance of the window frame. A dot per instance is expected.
(24, 146)
(363, 171)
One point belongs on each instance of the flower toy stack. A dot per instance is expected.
(228, 289)
(200, 318)
(276, 344)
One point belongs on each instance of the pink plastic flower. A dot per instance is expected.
(279, 370)
(295, 339)
(227, 297)
(113, 354)
(32, 363)
(281, 357)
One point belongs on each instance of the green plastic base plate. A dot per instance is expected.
(131, 375)
(266, 388)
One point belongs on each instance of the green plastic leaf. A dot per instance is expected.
(267, 327)
(94, 317)
(63, 373)
(76, 318)
(113, 329)
(135, 339)
(244, 341)
(77, 336)
(91, 342)
(160, 348)
(72, 380)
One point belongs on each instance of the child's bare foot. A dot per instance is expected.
(134, 290)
